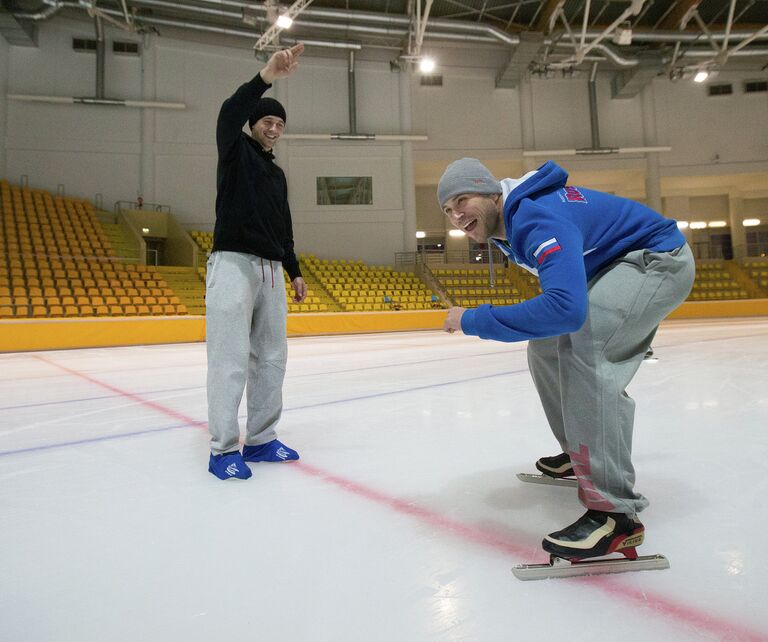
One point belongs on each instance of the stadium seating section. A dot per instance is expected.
(57, 260)
(469, 287)
(757, 270)
(715, 282)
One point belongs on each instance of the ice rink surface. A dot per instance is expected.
(403, 518)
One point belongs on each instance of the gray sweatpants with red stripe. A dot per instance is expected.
(246, 343)
(582, 377)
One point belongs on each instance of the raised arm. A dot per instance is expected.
(236, 109)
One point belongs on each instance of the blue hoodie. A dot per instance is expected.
(565, 235)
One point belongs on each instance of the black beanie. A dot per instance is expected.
(266, 107)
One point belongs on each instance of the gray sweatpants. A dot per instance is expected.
(245, 332)
(581, 377)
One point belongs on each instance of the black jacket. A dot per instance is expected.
(252, 213)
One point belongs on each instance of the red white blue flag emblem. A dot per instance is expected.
(545, 249)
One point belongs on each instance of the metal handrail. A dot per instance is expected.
(144, 207)
(436, 257)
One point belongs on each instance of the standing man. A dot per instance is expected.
(610, 270)
(245, 293)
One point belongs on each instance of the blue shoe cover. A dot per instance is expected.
(229, 465)
(272, 451)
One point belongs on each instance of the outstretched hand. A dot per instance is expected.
(452, 321)
(282, 63)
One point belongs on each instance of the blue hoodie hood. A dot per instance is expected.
(549, 176)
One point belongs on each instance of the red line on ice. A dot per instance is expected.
(660, 604)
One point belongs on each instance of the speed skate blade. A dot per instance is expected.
(546, 479)
(559, 567)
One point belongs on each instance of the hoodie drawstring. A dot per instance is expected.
(271, 269)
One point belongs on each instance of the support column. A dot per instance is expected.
(525, 93)
(409, 188)
(679, 208)
(738, 231)
(148, 92)
(652, 170)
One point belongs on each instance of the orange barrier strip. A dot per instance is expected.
(19, 335)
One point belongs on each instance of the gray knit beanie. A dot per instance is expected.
(466, 176)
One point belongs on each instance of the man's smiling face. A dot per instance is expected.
(267, 131)
(477, 215)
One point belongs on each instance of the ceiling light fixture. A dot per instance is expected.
(284, 21)
(427, 65)
(701, 76)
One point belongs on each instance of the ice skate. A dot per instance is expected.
(574, 550)
(274, 451)
(228, 466)
(555, 471)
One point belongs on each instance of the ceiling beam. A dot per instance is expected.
(20, 34)
(545, 17)
(527, 51)
(679, 13)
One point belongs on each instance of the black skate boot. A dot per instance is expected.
(596, 534)
(557, 466)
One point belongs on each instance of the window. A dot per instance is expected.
(720, 90)
(345, 190)
(84, 44)
(126, 48)
(431, 80)
(431, 244)
(755, 86)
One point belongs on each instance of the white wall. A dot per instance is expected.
(712, 133)
(431, 219)
(373, 232)
(708, 208)
(170, 156)
(88, 149)
(467, 116)
(756, 208)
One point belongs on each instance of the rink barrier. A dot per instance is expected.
(19, 335)
(721, 309)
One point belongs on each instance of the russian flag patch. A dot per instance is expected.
(545, 249)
